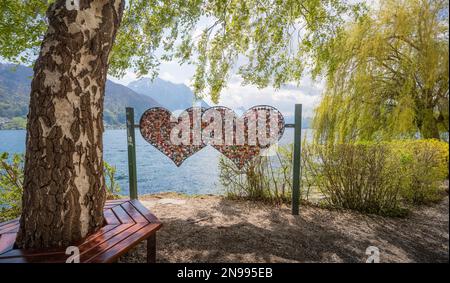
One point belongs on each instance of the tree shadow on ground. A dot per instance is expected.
(421, 238)
(227, 232)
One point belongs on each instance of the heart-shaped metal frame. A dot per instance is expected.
(241, 154)
(156, 124)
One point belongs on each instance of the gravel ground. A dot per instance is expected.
(214, 229)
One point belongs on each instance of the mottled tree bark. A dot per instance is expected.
(64, 189)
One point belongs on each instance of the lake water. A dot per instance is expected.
(156, 172)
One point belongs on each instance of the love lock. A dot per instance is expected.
(238, 138)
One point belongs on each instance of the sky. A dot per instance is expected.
(236, 95)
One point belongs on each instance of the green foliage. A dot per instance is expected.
(426, 164)
(371, 177)
(11, 186)
(387, 75)
(22, 25)
(264, 178)
(112, 188)
(380, 178)
(360, 177)
(276, 40)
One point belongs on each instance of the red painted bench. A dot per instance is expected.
(128, 223)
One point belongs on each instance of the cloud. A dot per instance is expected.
(236, 95)
(167, 76)
(126, 79)
(169, 71)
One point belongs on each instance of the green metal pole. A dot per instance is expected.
(131, 141)
(297, 173)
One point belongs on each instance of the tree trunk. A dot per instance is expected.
(64, 189)
(429, 125)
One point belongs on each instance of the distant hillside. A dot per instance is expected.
(15, 90)
(172, 96)
(117, 97)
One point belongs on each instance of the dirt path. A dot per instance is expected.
(213, 229)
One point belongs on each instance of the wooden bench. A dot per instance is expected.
(128, 223)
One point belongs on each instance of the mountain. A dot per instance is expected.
(14, 90)
(170, 95)
(117, 97)
(15, 81)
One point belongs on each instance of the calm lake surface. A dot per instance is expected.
(156, 172)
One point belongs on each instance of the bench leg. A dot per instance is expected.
(151, 249)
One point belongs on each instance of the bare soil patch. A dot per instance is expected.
(214, 229)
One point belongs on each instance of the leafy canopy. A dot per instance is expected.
(387, 76)
(275, 40)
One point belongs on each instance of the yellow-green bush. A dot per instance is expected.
(378, 178)
(426, 164)
(381, 178)
(362, 176)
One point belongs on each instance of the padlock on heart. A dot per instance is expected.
(238, 138)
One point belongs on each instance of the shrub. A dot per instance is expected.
(11, 185)
(265, 178)
(426, 165)
(380, 178)
(112, 188)
(360, 177)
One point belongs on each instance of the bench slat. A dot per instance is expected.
(122, 214)
(110, 217)
(116, 201)
(134, 213)
(7, 242)
(110, 243)
(87, 247)
(53, 251)
(123, 246)
(13, 228)
(6, 228)
(8, 222)
(144, 211)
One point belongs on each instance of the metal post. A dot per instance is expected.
(297, 173)
(131, 153)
